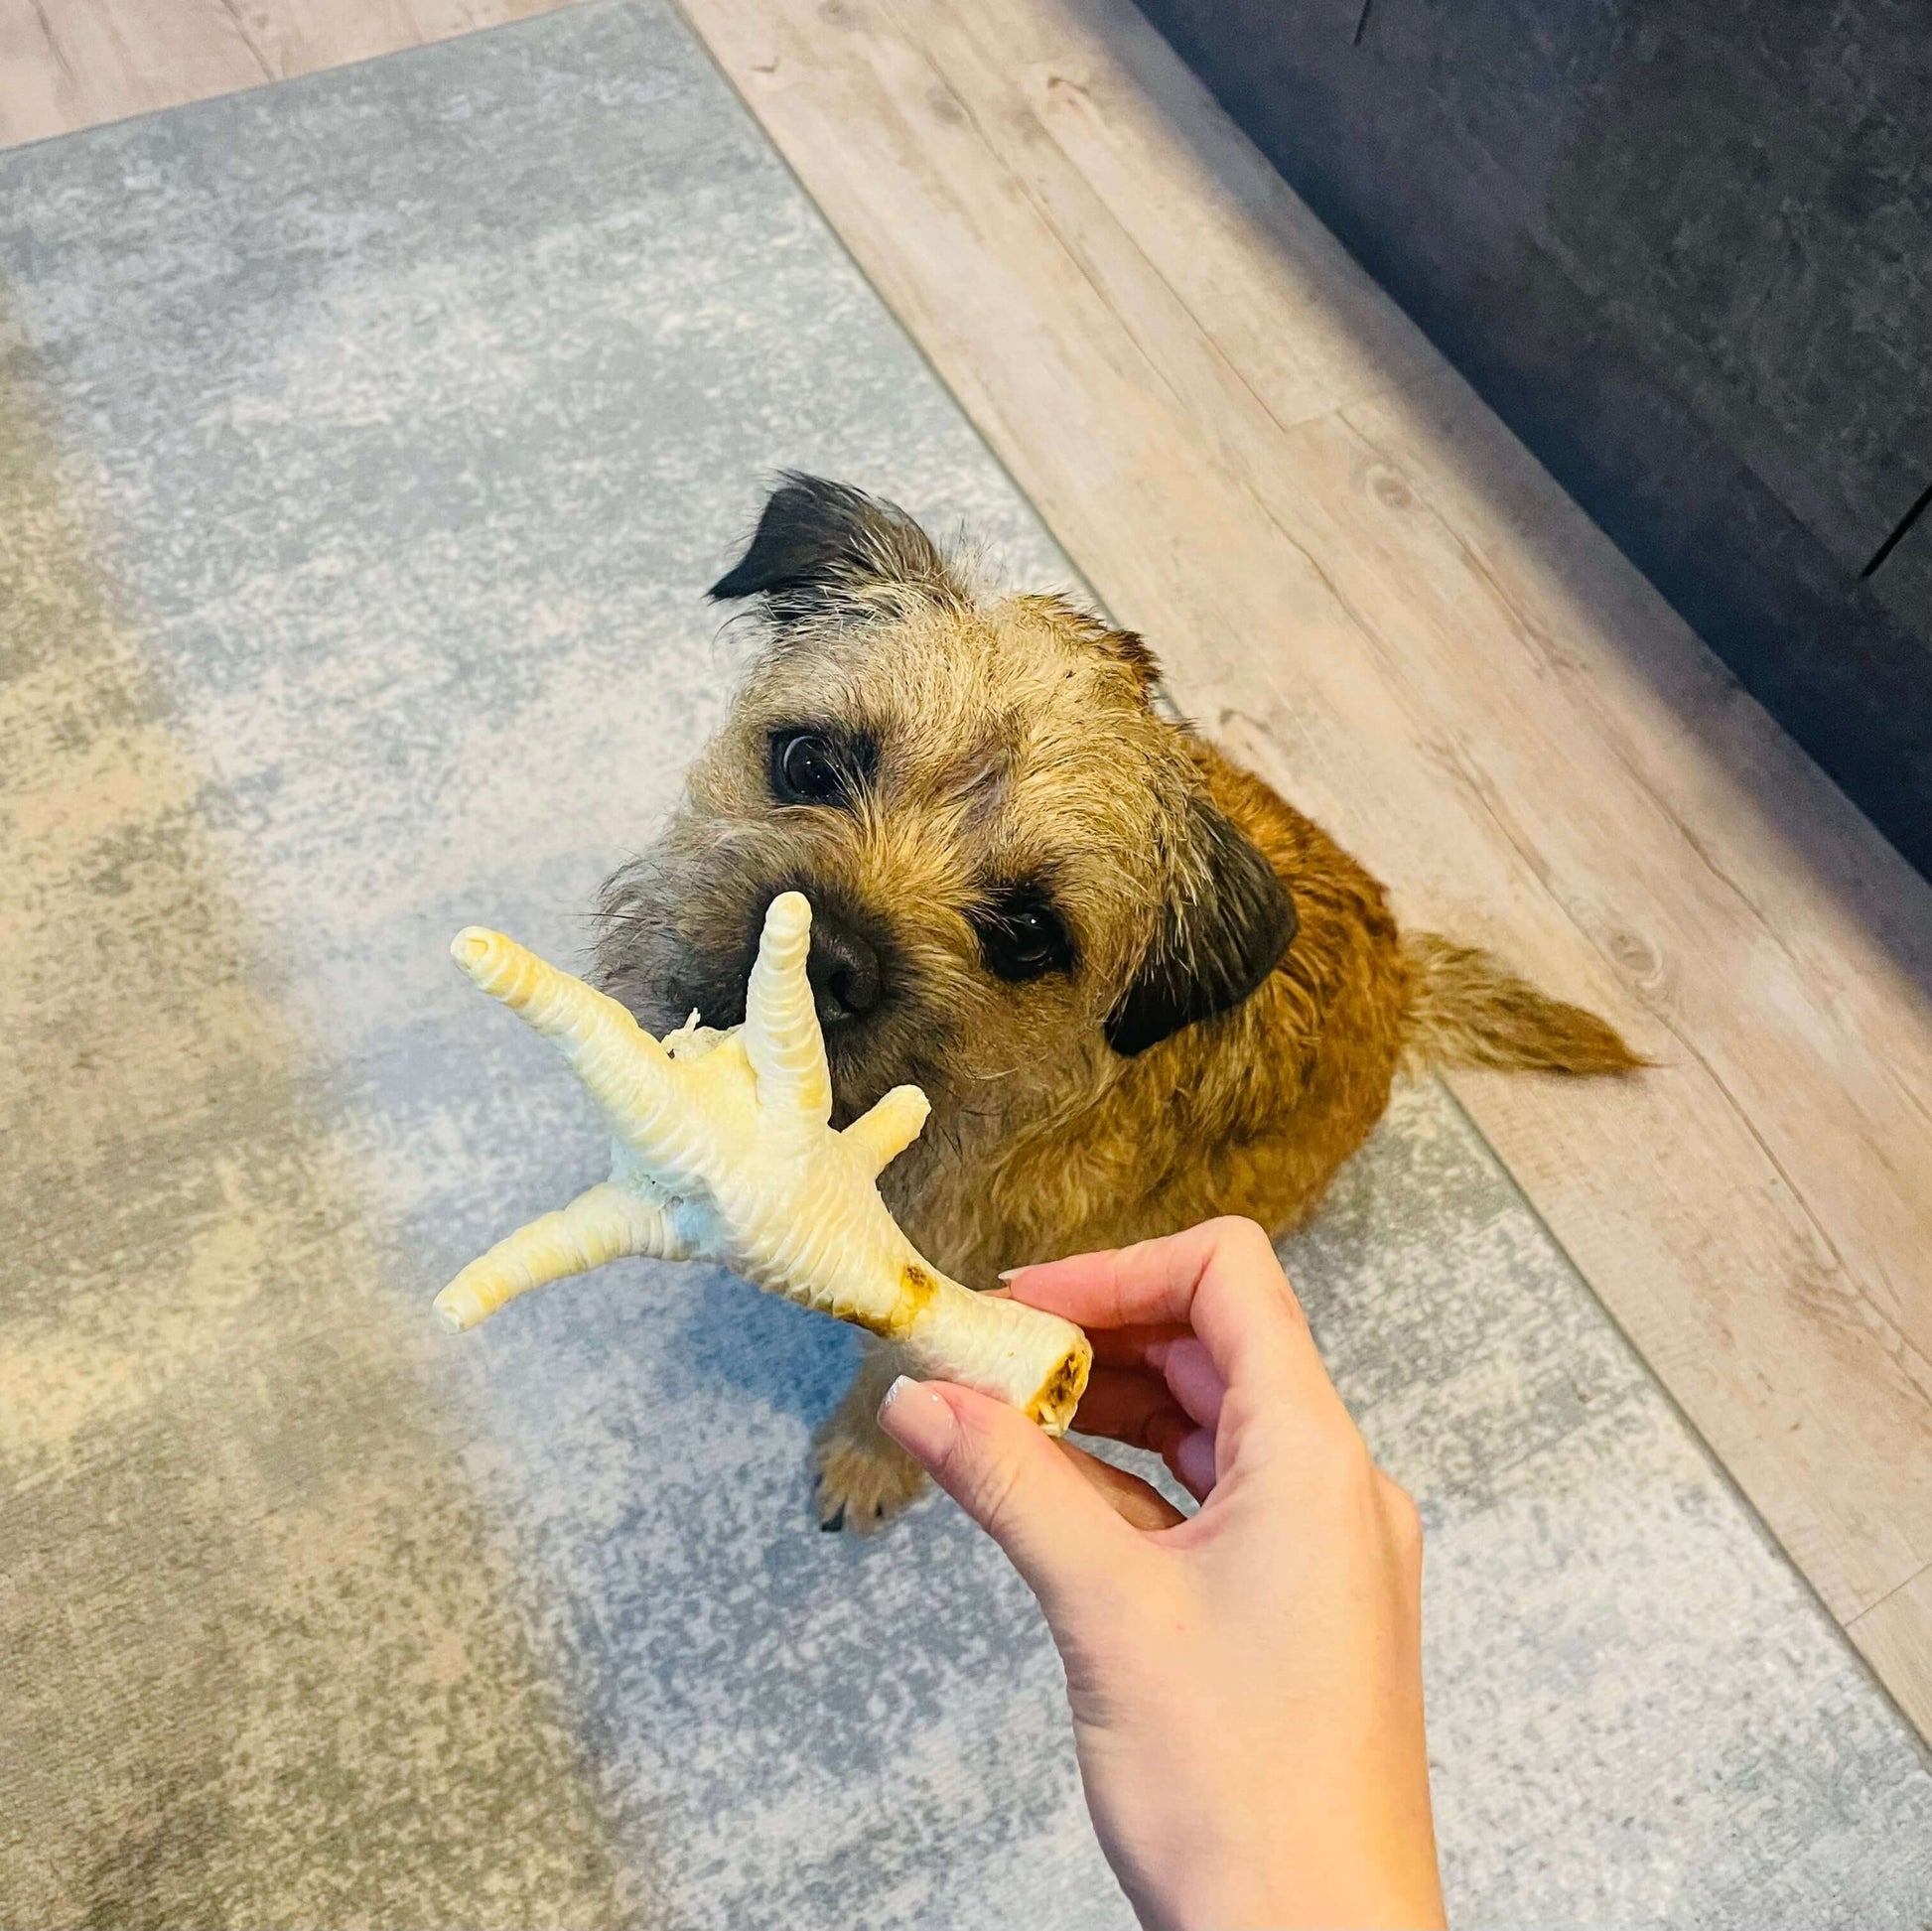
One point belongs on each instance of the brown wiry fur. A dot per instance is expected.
(1017, 737)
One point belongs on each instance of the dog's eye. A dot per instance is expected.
(1022, 936)
(808, 769)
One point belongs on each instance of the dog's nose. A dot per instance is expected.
(842, 969)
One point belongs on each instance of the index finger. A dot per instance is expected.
(1221, 1278)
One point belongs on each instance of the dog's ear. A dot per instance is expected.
(1225, 932)
(1127, 648)
(821, 546)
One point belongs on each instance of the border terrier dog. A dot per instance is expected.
(1139, 987)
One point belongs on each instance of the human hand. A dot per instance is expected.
(1245, 1684)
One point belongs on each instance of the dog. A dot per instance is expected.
(1139, 987)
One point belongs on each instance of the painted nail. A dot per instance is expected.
(917, 1419)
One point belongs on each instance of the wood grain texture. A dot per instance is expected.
(71, 64)
(1369, 591)
(1895, 1638)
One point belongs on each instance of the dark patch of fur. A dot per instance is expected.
(819, 545)
(1215, 947)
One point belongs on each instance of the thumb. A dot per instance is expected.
(1003, 1470)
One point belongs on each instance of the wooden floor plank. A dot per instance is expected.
(69, 66)
(1895, 1637)
(1772, 885)
(65, 65)
(1295, 312)
(1299, 318)
(1581, 786)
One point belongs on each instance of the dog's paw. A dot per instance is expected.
(862, 1486)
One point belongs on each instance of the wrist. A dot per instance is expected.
(1237, 1899)
(1222, 1879)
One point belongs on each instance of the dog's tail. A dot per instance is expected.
(1467, 1009)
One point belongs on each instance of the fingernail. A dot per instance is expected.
(917, 1419)
(1011, 1273)
(1196, 1454)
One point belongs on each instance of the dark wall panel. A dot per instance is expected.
(1684, 250)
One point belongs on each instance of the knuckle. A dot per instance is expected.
(1242, 1236)
(1247, 1243)
(983, 1474)
(995, 1498)
(1404, 1518)
(1337, 1465)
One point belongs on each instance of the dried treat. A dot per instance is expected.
(723, 1150)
